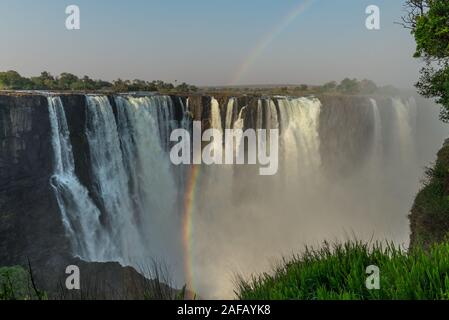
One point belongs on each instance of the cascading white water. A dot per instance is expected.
(300, 138)
(140, 193)
(239, 125)
(186, 122)
(79, 214)
(259, 115)
(240, 122)
(111, 182)
(215, 115)
(153, 178)
(271, 120)
(230, 113)
(272, 115)
(215, 124)
(405, 113)
(133, 181)
(377, 140)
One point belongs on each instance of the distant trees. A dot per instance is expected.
(330, 86)
(348, 86)
(12, 80)
(351, 86)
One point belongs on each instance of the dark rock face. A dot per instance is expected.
(30, 223)
(104, 281)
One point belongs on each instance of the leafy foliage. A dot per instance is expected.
(429, 23)
(338, 273)
(17, 284)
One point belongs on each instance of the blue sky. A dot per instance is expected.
(205, 42)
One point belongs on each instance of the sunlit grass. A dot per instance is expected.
(338, 272)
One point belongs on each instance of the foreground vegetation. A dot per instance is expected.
(16, 283)
(338, 273)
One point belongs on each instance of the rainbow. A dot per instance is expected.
(267, 39)
(194, 176)
(188, 219)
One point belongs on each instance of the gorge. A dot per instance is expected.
(89, 177)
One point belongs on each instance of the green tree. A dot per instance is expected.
(12, 80)
(429, 24)
(44, 81)
(348, 86)
(367, 87)
(66, 80)
(120, 86)
(102, 85)
(330, 86)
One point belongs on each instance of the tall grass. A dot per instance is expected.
(338, 272)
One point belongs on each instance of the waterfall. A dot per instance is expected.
(272, 116)
(259, 116)
(215, 115)
(215, 123)
(230, 113)
(132, 215)
(300, 137)
(111, 182)
(164, 107)
(153, 179)
(271, 120)
(377, 140)
(240, 122)
(132, 211)
(405, 113)
(186, 122)
(79, 214)
(239, 125)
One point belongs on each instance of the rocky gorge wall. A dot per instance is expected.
(30, 224)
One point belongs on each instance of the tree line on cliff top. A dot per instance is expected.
(12, 80)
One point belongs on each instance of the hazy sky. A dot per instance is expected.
(206, 42)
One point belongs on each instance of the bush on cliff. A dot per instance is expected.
(430, 213)
(16, 284)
